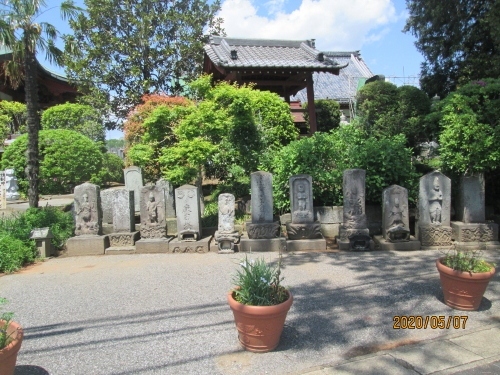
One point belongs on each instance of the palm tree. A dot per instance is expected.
(25, 37)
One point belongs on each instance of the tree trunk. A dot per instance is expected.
(31, 92)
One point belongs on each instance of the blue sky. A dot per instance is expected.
(371, 26)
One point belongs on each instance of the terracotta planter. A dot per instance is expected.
(259, 327)
(8, 355)
(463, 290)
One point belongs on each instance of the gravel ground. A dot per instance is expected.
(167, 313)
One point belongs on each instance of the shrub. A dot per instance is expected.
(327, 114)
(81, 118)
(67, 158)
(16, 247)
(325, 156)
(14, 115)
(111, 170)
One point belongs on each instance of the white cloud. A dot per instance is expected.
(335, 24)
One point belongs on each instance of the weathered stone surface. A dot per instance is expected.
(474, 232)
(286, 218)
(152, 245)
(187, 203)
(354, 215)
(11, 187)
(226, 236)
(396, 223)
(107, 206)
(263, 230)
(123, 239)
(153, 223)
(357, 242)
(262, 197)
(87, 245)
(134, 182)
(301, 199)
(330, 230)
(434, 235)
(87, 209)
(168, 189)
(471, 206)
(262, 245)
(410, 245)
(123, 209)
(329, 214)
(200, 246)
(434, 199)
(346, 233)
(303, 231)
(306, 245)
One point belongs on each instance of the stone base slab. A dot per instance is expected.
(256, 245)
(383, 244)
(123, 239)
(346, 245)
(263, 230)
(434, 236)
(330, 230)
(153, 245)
(214, 248)
(489, 245)
(115, 250)
(306, 245)
(474, 232)
(201, 246)
(87, 245)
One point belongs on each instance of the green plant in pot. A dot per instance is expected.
(260, 304)
(464, 277)
(11, 337)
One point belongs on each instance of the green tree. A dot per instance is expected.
(327, 114)
(386, 110)
(24, 36)
(125, 49)
(67, 158)
(78, 117)
(467, 146)
(459, 39)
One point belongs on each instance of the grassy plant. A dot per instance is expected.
(467, 261)
(16, 248)
(258, 283)
(5, 319)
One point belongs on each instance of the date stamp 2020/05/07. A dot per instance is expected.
(429, 321)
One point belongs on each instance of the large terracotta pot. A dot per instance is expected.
(8, 355)
(259, 327)
(463, 290)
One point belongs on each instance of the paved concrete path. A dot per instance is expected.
(167, 314)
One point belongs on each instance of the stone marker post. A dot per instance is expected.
(133, 181)
(262, 225)
(226, 236)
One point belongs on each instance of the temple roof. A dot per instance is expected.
(237, 54)
(343, 86)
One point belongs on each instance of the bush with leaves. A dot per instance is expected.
(17, 248)
(386, 110)
(327, 114)
(81, 118)
(325, 156)
(13, 115)
(67, 158)
(111, 170)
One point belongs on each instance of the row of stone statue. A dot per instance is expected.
(165, 214)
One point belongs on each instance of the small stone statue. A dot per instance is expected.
(396, 215)
(85, 214)
(152, 207)
(435, 202)
(11, 188)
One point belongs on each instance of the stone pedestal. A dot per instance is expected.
(382, 244)
(475, 236)
(306, 245)
(434, 237)
(200, 246)
(355, 239)
(122, 243)
(152, 245)
(262, 245)
(87, 245)
(171, 226)
(260, 231)
(303, 231)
